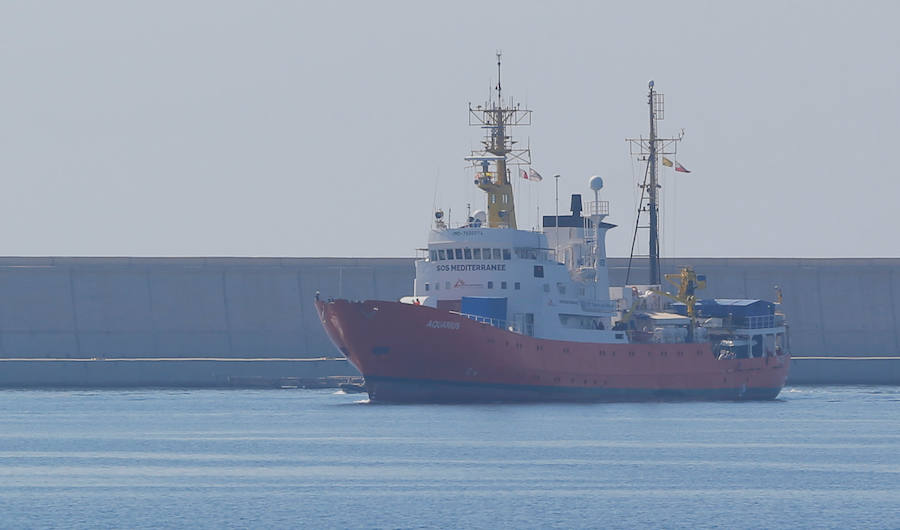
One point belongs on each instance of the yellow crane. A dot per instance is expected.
(687, 281)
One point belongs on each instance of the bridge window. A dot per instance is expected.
(432, 255)
(476, 253)
(538, 271)
(496, 252)
(442, 255)
(507, 254)
(526, 253)
(467, 252)
(458, 252)
(490, 285)
(487, 253)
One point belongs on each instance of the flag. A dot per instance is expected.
(534, 175)
(679, 167)
(524, 174)
(667, 162)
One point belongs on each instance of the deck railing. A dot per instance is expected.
(508, 325)
(591, 306)
(755, 322)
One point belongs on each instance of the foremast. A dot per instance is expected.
(498, 153)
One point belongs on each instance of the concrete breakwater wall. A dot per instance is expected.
(173, 373)
(262, 307)
(180, 307)
(844, 371)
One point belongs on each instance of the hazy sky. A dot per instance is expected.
(332, 129)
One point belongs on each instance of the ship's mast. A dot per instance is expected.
(649, 150)
(654, 182)
(499, 151)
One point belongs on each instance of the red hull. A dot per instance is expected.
(414, 353)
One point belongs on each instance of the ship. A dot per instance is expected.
(500, 313)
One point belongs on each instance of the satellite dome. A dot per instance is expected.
(596, 183)
(479, 215)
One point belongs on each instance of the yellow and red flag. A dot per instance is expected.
(678, 167)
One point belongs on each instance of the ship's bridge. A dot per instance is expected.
(474, 243)
(482, 261)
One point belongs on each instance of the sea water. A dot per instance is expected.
(825, 457)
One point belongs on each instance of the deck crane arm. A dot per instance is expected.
(687, 282)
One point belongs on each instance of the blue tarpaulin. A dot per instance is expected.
(484, 306)
(725, 307)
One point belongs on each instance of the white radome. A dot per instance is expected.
(596, 183)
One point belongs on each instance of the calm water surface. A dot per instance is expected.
(819, 457)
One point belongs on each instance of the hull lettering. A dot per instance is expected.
(442, 324)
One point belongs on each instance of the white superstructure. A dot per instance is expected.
(565, 299)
